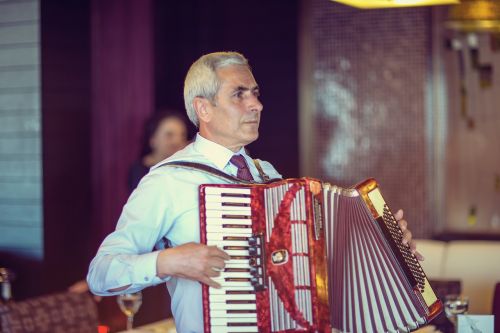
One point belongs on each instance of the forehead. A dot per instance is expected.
(236, 76)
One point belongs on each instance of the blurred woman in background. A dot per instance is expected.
(165, 133)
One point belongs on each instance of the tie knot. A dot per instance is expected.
(243, 171)
(239, 161)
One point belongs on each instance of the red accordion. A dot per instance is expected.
(307, 256)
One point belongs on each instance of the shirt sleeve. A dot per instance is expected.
(125, 256)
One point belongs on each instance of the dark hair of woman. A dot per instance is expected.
(164, 134)
(152, 124)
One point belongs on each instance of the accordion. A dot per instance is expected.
(308, 256)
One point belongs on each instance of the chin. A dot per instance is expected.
(251, 137)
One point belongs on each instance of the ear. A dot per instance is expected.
(203, 109)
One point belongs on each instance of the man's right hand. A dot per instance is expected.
(192, 261)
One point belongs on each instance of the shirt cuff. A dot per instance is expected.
(145, 269)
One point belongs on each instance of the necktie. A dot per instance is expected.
(243, 171)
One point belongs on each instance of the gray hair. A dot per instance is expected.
(202, 81)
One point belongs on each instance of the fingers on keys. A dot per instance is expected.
(407, 235)
(216, 252)
(215, 265)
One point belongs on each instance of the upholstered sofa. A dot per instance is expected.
(475, 263)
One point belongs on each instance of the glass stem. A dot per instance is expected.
(130, 322)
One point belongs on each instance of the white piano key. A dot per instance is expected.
(218, 198)
(239, 261)
(234, 329)
(225, 314)
(224, 306)
(228, 284)
(220, 207)
(225, 321)
(217, 221)
(245, 275)
(221, 190)
(229, 231)
(224, 290)
(220, 237)
(237, 252)
(230, 264)
(244, 211)
(232, 297)
(223, 243)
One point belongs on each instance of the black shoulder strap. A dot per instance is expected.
(215, 172)
(207, 169)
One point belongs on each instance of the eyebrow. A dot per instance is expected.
(242, 88)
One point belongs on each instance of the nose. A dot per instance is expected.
(255, 105)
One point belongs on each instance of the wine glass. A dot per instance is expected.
(130, 304)
(455, 305)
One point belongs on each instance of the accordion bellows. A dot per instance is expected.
(307, 256)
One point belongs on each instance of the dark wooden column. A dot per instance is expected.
(65, 57)
(122, 98)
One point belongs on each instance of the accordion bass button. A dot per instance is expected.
(252, 251)
(252, 241)
(258, 284)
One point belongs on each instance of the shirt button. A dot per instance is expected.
(146, 278)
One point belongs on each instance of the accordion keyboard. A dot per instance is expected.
(229, 226)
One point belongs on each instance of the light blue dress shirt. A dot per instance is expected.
(165, 204)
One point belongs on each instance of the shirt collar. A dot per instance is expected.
(214, 152)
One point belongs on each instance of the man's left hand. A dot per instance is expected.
(407, 239)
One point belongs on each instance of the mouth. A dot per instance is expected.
(255, 122)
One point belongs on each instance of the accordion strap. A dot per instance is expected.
(262, 174)
(216, 172)
(207, 169)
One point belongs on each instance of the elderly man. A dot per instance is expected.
(222, 99)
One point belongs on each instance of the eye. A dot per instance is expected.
(239, 94)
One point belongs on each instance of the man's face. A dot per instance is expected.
(235, 113)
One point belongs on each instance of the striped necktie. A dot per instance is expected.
(243, 170)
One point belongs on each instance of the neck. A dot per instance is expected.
(232, 147)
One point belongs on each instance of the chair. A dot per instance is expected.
(55, 313)
(477, 265)
(435, 256)
(474, 263)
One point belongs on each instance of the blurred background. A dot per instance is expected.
(409, 96)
